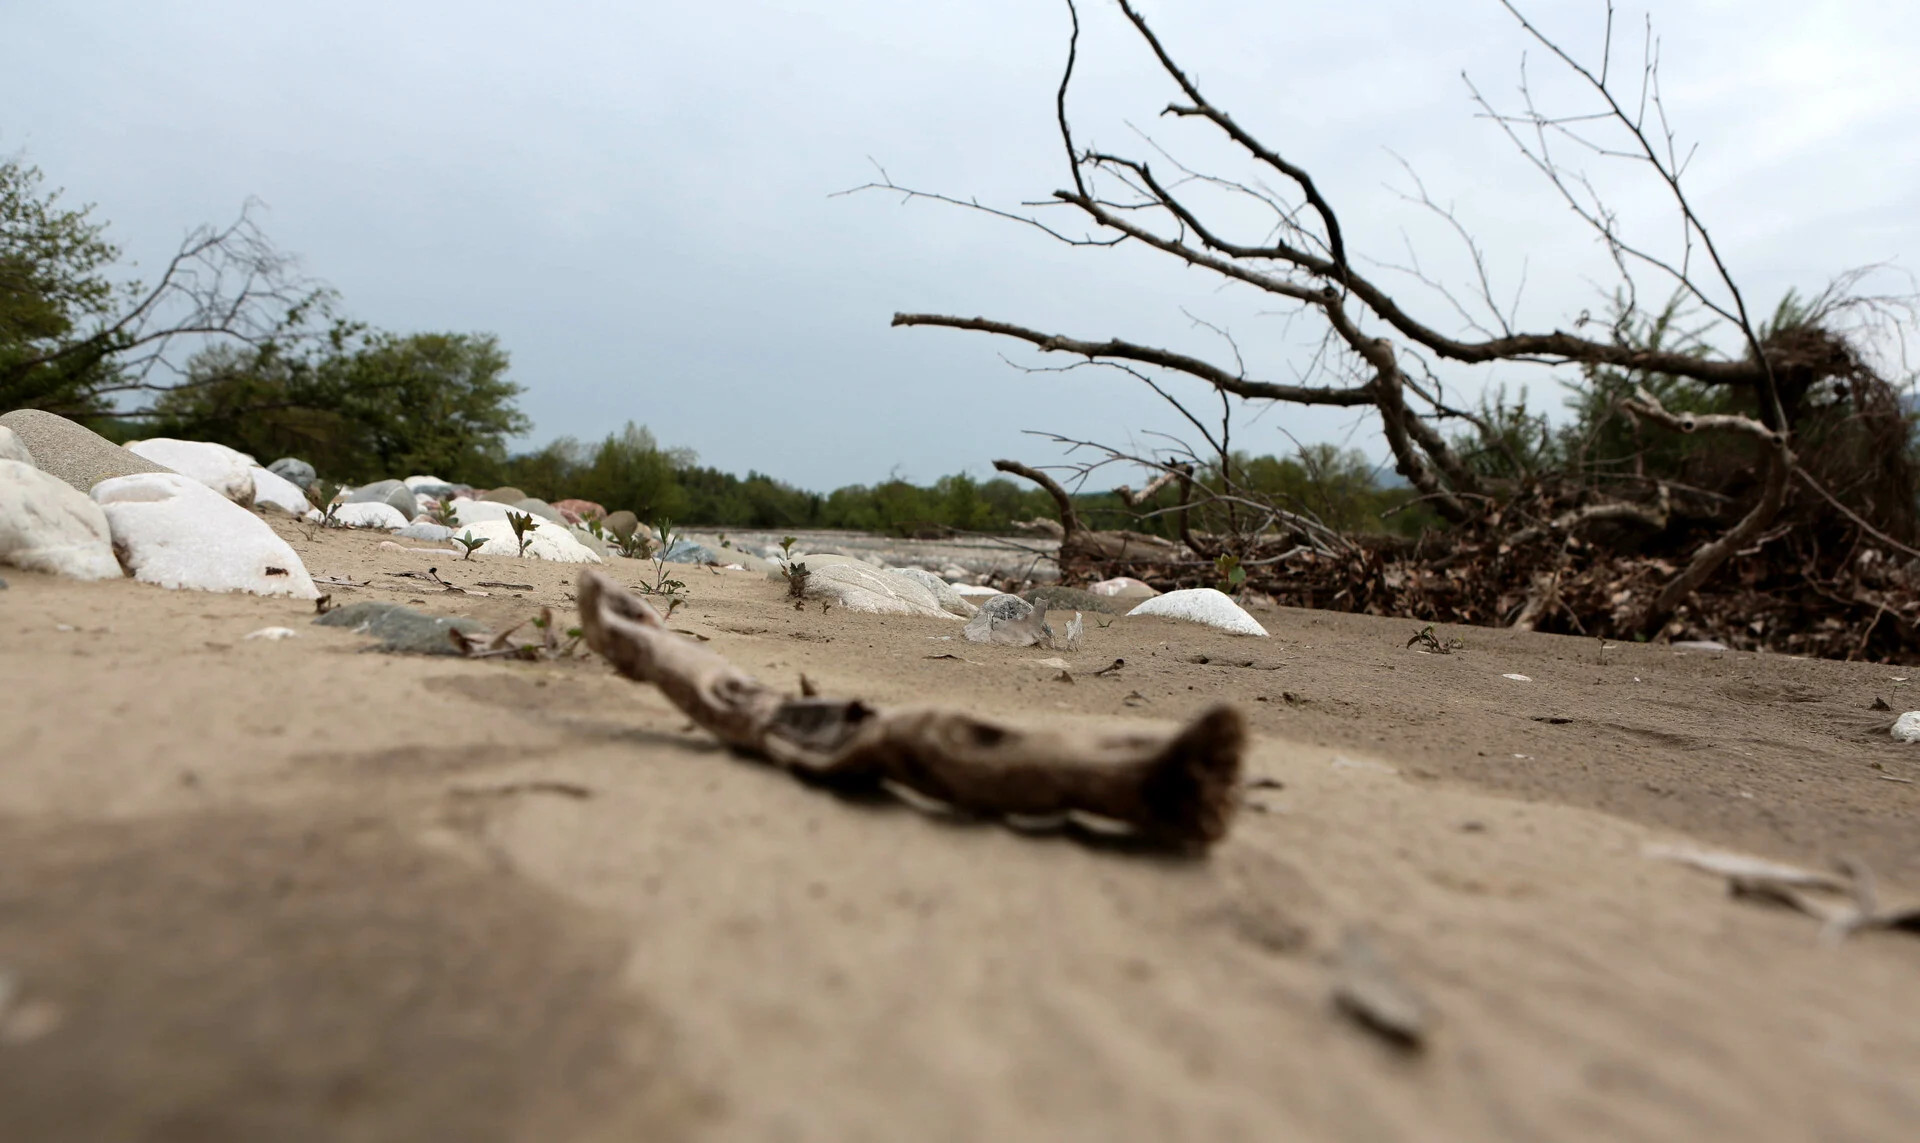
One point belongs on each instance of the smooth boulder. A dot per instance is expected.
(13, 448)
(858, 587)
(507, 495)
(293, 469)
(622, 524)
(387, 492)
(272, 490)
(579, 511)
(173, 531)
(542, 509)
(73, 452)
(47, 525)
(943, 593)
(226, 470)
(544, 542)
(369, 514)
(1203, 605)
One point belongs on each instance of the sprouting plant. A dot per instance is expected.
(442, 513)
(1431, 642)
(661, 585)
(1232, 575)
(796, 573)
(325, 494)
(634, 545)
(522, 524)
(468, 541)
(724, 542)
(596, 529)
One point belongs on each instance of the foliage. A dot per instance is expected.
(53, 286)
(357, 404)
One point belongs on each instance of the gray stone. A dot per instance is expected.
(594, 544)
(622, 524)
(1057, 598)
(400, 628)
(688, 552)
(507, 495)
(541, 509)
(387, 492)
(432, 533)
(13, 448)
(297, 470)
(1006, 607)
(74, 453)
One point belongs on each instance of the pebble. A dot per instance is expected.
(272, 634)
(173, 531)
(225, 470)
(73, 452)
(1906, 728)
(1205, 606)
(47, 525)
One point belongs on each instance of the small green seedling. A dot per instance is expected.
(596, 529)
(470, 543)
(442, 513)
(1232, 575)
(661, 585)
(796, 573)
(522, 524)
(634, 545)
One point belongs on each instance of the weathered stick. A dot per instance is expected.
(1173, 789)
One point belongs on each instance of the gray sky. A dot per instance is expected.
(635, 197)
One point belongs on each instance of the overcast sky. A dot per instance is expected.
(636, 197)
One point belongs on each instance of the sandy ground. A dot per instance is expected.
(295, 890)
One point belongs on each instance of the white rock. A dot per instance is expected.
(545, 542)
(276, 491)
(426, 481)
(48, 525)
(1123, 587)
(974, 590)
(13, 448)
(227, 471)
(176, 532)
(1202, 605)
(370, 514)
(466, 511)
(273, 634)
(1518, 678)
(859, 587)
(943, 593)
(1906, 728)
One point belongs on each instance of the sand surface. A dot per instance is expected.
(295, 890)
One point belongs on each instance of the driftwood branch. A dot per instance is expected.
(1176, 789)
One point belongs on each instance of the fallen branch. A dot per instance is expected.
(1170, 789)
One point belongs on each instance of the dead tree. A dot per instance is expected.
(1386, 353)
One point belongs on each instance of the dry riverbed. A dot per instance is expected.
(299, 890)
